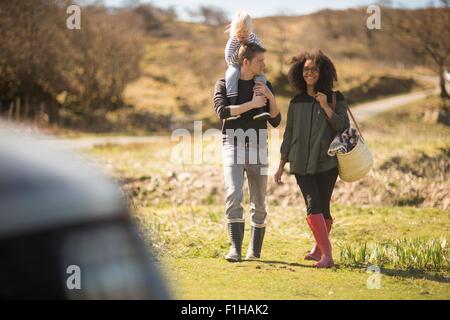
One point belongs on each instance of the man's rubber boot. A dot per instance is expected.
(320, 232)
(236, 235)
(255, 244)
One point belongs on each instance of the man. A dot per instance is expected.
(245, 150)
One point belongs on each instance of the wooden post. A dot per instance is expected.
(41, 113)
(17, 108)
(27, 107)
(10, 111)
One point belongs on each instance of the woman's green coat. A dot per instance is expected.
(308, 134)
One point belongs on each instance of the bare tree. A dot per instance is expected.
(153, 17)
(280, 42)
(105, 57)
(42, 63)
(32, 54)
(426, 32)
(211, 15)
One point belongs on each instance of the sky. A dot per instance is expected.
(261, 8)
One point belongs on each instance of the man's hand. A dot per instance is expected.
(261, 88)
(258, 101)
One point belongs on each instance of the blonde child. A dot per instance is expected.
(241, 32)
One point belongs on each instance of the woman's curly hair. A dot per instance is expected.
(327, 71)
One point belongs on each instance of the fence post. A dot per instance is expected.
(27, 107)
(10, 111)
(17, 108)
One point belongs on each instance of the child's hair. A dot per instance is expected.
(241, 20)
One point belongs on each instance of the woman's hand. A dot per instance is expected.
(278, 175)
(322, 99)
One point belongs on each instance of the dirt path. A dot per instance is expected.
(369, 109)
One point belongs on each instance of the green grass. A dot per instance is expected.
(412, 254)
(192, 241)
(196, 269)
(287, 279)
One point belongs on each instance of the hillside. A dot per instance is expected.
(179, 69)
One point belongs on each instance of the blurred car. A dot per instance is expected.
(60, 219)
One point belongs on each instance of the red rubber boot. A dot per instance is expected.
(320, 232)
(315, 253)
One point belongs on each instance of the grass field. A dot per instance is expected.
(180, 212)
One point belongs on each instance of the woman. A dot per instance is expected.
(312, 123)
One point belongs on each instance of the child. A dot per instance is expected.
(240, 31)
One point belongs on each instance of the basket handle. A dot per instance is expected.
(351, 115)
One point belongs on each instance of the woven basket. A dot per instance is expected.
(356, 163)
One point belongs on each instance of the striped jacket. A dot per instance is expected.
(233, 45)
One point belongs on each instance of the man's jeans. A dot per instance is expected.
(251, 159)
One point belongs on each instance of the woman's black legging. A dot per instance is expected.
(317, 190)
